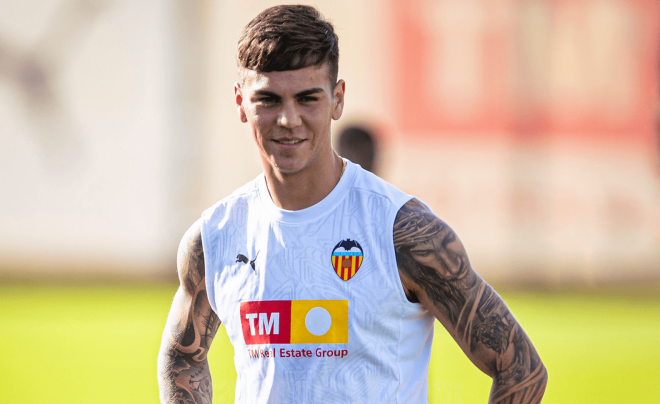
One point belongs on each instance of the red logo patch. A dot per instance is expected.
(266, 322)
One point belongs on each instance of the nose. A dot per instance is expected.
(289, 116)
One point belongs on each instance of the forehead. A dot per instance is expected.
(288, 81)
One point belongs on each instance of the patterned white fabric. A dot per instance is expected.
(389, 339)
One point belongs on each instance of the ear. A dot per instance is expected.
(239, 102)
(339, 90)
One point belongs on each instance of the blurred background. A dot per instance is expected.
(531, 126)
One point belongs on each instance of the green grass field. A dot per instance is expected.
(98, 344)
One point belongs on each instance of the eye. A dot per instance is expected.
(307, 99)
(268, 100)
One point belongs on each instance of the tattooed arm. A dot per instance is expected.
(183, 371)
(435, 271)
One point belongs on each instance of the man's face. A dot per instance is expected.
(289, 114)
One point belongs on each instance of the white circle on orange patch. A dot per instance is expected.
(318, 321)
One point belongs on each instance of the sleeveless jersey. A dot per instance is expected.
(312, 300)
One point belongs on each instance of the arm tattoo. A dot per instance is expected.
(184, 375)
(435, 269)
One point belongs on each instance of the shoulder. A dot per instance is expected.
(415, 208)
(230, 210)
(415, 222)
(190, 257)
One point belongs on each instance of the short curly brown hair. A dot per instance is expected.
(288, 37)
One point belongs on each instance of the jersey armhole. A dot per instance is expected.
(401, 290)
(209, 275)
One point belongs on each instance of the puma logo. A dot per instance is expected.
(242, 258)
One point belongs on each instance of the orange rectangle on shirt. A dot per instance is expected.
(319, 321)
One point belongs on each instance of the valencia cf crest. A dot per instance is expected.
(347, 258)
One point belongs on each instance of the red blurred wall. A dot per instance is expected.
(560, 68)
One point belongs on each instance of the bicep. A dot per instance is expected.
(183, 370)
(192, 323)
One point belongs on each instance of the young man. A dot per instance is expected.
(328, 279)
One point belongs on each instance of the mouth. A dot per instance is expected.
(289, 142)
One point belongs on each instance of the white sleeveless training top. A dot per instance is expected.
(312, 300)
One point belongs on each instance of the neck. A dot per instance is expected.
(305, 188)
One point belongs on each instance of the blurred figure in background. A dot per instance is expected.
(358, 144)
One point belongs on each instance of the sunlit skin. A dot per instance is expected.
(289, 114)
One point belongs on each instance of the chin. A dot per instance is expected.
(291, 167)
(287, 170)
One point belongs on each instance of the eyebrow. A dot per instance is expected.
(298, 95)
(309, 92)
(266, 93)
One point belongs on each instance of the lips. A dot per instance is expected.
(289, 142)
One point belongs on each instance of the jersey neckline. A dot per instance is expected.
(321, 208)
